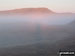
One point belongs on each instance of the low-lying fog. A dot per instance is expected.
(21, 30)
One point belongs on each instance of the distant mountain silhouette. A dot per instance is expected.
(28, 11)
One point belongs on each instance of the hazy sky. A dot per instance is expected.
(55, 5)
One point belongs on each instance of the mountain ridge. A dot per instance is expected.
(28, 11)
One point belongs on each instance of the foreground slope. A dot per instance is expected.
(46, 48)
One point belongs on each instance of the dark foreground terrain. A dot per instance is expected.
(47, 47)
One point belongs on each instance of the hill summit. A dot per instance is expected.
(28, 11)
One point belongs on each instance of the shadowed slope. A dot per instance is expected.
(44, 48)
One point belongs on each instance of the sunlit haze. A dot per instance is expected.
(55, 5)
